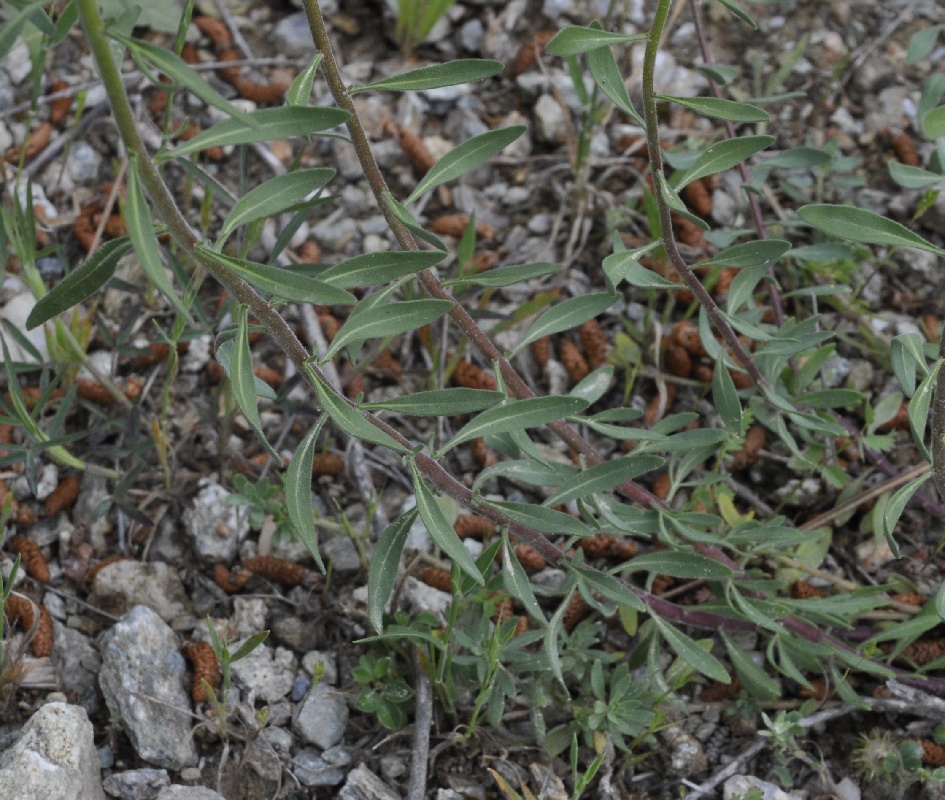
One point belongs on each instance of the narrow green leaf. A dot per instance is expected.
(722, 74)
(516, 580)
(691, 653)
(464, 70)
(266, 124)
(141, 230)
(758, 683)
(567, 315)
(298, 491)
(739, 12)
(725, 397)
(609, 587)
(593, 387)
(224, 354)
(722, 156)
(541, 519)
(798, 158)
(403, 214)
(441, 402)
(249, 645)
(387, 320)
(80, 284)
(516, 415)
(350, 419)
(603, 67)
(13, 24)
(619, 265)
(300, 92)
(465, 157)
(905, 353)
(933, 123)
(919, 408)
(384, 566)
(896, 505)
(674, 201)
(913, 177)
(863, 226)
(274, 197)
(281, 282)
(830, 398)
(922, 43)
(743, 286)
(940, 602)
(679, 564)
(721, 109)
(638, 275)
(575, 40)
(182, 74)
(370, 269)
(604, 476)
(750, 254)
(242, 379)
(440, 529)
(507, 276)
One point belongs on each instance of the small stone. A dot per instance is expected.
(741, 785)
(835, 370)
(292, 35)
(325, 663)
(471, 35)
(178, 792)
(16, 312)
(322, 717)
(551, 123)
(325, 769)
(123, 585)
(216, 526)
(136, 784)
(362, 784)
(83, 163)
(265, 673)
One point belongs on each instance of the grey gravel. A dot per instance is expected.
(120, 586)
(362, 784)
(321, 769)
(322, 717)
(142, 679)
(216, 526)
(267, 672)
(136, 784)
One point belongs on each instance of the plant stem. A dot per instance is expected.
(665, 215)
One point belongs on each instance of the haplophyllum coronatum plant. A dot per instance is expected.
(697, 545)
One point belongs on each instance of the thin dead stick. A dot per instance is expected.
(423, 722)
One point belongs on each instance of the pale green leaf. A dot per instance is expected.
(440, 529)
(452, 73)
(267, 124)
(567, 315)
(919, 407)
(80, 284)
(516, 580)
(574, 40)
(679, 564)
(298, 491)
(544, 520)
(593, 387)
(465, 157)
(722, 156)
(863, 226)
(619, 265)
(604, 476)
(280, 281)
(913, 177)
(384, 566)
(725, 397)
(798, 158)
(506, 276)
(300, 92)
(896, 505)
(690, 652)
(739, 12)
(275, 196)
(603, 67)
(370, 269)
(242, 379)
(516, 415)
(721, 109)
(922, 43)
(750, 254)
(141, 230)
(609, 587)
(933, 123)
(441, 402)
(387, 320)
(758, 683)
(403, 214)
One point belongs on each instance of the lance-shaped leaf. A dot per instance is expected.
(506, 276)
(516, 580)
(679, 564)
(440, 529)
(913, 177)
(403, 214)
(13, 24)
(224, 354)
(387, 320)
(275, 196)
(267, 124)
(750, 254)
(181, 73)
(298, 492)
(516, 415)
(725, 397)
(141, 230)
(896, 505)
(621, 263)
(719, 108)
(690, 652)
(603, 67)
(464, 70)
(758, 683)
(385, 563)
(370, 269)
(281, 282)
(350, 419)
(739, 12)
(604, 476)
(300, 92)
(863, 226)
(569, 314)
(243, 381)
(465, 157)
(722, 156)
(919, 407)
(541, 519)
(609, 587)
(80, 284)
(441, 402)
(574, 40)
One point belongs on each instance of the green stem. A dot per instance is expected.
(665, 215)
